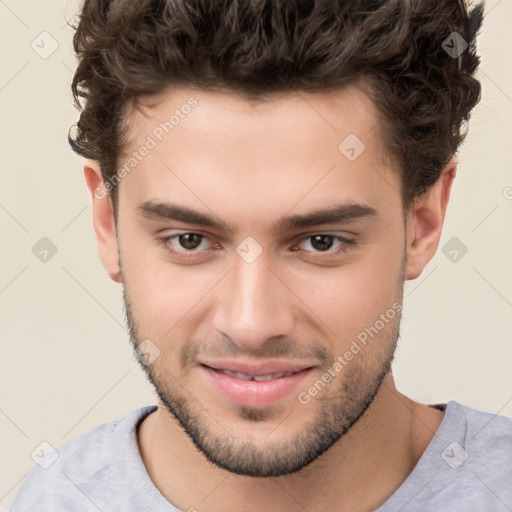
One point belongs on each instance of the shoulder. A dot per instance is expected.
(479, 458)
(60, 479)
(467, 466)
(486, 430)
(488, 439)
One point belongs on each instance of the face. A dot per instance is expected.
(263, 269)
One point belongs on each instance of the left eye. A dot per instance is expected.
(323, 243)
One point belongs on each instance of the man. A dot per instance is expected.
(264, 177)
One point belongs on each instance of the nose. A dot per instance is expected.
(255, 305)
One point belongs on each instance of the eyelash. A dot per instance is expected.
(192, 253)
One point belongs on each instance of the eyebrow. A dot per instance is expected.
(337, 214)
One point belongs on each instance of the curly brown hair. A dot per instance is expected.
(398, 49)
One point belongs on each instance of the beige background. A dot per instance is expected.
(66, 364)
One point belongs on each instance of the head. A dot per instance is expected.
(265, 176)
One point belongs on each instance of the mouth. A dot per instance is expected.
(258, 378)
(254, 385)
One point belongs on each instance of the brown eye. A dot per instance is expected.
(189, 247)
(325, 243)
(190, 240)
(322, 242)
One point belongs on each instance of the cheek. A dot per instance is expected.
(351, 297)
(162, 293)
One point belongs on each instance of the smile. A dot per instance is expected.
(253, 385)
(259, 378)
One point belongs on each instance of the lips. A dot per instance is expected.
(254, 369)
(254, 384)
(259, 378)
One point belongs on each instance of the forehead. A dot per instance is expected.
(217, 149)
(329, 115)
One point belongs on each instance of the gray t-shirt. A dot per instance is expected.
(466, 467)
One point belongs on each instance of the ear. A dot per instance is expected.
(103, 220)
(425, 221)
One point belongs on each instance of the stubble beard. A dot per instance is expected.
(357, 386)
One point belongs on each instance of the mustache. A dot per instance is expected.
(272, 349)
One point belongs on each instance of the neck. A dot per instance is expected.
(357, 473)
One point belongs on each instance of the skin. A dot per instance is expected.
(250, 164)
